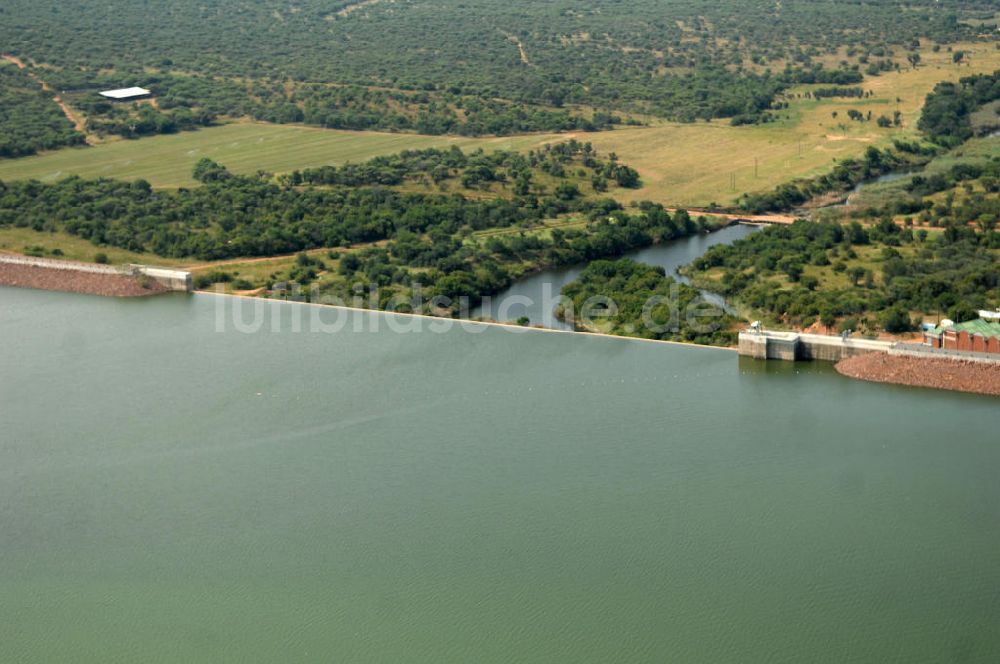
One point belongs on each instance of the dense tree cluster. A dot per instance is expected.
(475, 169)
(634, 299)
(235, 216)
(824, 93)
(231, 216)
(446, 266)
(946, 116)
(948, 273)
(29, 119)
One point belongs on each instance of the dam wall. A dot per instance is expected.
(791, 346)
(92, 278)
(51, 264)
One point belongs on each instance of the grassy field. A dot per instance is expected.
(692, 164)
(243, 147)
(681, 164)
(21, 240)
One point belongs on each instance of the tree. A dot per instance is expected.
(896, 320)
(791, 267)
(567, 191)
(962, 311)
(206, 171)
(855, 274)
(848, 325)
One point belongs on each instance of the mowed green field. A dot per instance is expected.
(243, 147)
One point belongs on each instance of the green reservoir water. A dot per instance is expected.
(169, 493)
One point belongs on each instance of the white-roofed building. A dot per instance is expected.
(126, 94)
(990, 315)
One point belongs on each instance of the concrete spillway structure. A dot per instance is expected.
(791, 346)
(176, 280)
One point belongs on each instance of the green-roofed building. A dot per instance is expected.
(979, 336)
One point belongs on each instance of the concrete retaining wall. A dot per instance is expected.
(790, 346)
(178, 280)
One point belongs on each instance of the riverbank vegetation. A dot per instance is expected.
(459, 225)
(633, 299)
(958, 187)
(879, 278)
(958, 183)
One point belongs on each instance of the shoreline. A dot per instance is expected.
(468, 321)
(948, 374)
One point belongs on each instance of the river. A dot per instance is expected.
(175, 490)
(856, 189)
(536, 295)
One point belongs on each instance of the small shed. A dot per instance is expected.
(126, 94)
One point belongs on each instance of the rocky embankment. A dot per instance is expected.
(942, 374)
(77, 281)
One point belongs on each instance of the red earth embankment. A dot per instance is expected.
(942, 374)
(77, 281)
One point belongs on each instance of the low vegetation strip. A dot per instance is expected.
(943, 374)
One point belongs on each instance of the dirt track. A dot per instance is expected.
(784, 219)
(78, 123)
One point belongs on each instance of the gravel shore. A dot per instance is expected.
(115, 285)
(942, 374)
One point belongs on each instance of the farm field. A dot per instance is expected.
(681, 164)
